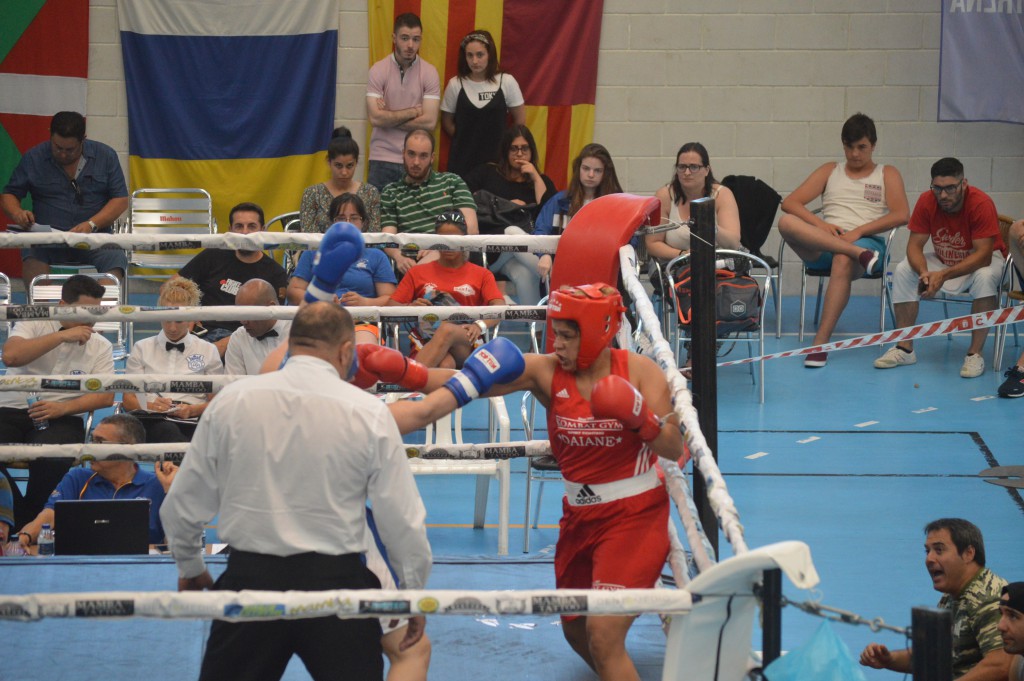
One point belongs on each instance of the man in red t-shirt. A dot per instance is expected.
(963, 226)
(458, 282)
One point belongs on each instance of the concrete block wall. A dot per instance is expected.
(764, 84)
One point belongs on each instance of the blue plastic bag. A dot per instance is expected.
(824, 658)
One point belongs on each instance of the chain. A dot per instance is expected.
(813, 607)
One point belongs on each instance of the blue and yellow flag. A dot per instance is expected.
(234, 98)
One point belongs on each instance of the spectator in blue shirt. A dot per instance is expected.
(111, 478)
(76, 185)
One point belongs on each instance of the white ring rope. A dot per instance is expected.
(172, 451)
(660, 351)
(252, 606)
(361, 315)
(970, 322)
(199, 384)
(497, 243)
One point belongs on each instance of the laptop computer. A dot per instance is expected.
(101, 527)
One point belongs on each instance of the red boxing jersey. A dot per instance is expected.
(590, 450)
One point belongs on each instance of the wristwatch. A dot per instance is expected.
(93, 225)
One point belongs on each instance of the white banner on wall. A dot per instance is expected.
(981, 65)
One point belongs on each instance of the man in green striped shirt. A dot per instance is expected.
(412, 203)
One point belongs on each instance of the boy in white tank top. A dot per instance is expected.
(861, 200)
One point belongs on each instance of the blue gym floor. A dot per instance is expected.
(852, 460)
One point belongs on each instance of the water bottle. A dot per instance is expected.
(45, 541)
(41, 424)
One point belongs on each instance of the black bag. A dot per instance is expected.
(494, 214)
(737, 301)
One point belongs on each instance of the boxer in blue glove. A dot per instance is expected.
(341, 246)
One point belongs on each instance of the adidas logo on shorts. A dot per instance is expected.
(563, 393)
(587, 496)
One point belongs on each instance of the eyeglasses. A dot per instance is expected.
(354, 218)
(523, 149)
(948, 190)
(691, 167)
(453, 218)
(79, 199)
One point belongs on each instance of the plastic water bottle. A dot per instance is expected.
(41, 424)
(45, 541)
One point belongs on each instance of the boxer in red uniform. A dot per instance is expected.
(603, 406)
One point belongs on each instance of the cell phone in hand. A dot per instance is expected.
(921, 286)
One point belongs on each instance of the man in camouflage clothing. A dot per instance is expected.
(955, 559)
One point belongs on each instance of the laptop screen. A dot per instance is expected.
(101, 527)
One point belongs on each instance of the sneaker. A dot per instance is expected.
(869, 260)
(1013, 386)
(816, 360)
(895, 357)
(974, 366)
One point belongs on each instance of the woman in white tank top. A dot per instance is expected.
(693, 179)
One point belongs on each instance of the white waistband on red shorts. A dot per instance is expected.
(582, 494)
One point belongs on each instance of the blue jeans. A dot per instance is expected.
(383, 173)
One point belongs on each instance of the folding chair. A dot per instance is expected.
(289, 223)
(758, 204)
(1014, 277)
(177, 213)
(5, 299)
(754, 334)
(881, 275)
(45, 289)
(448, 430)
(946, 299)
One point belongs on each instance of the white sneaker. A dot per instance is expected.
(974, 366)
(894, 357)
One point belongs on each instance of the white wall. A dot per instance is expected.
(764, 84)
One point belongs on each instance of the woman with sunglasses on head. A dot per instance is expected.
(477, 103)
(693, 179)
(342, 159)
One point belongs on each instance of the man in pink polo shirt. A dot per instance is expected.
(403, 93)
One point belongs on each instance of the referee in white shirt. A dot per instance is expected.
(250, 343)
(288, 461)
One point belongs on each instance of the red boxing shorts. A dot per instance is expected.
(618, 545)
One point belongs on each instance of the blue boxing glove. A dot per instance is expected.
(341, 246)
(498, 361)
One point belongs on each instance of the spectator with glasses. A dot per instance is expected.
(369, 281)
(963, 226)
(693, 179)
(76, 185)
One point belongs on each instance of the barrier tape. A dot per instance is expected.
(253, 606)
(980, 320)
(361, 315)
(173, 451)
(408, 243)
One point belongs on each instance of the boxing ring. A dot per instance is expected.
(713, 607)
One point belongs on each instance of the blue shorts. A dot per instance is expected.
(873, 243)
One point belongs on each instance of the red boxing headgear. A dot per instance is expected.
(597, 314)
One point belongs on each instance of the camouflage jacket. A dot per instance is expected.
(975, 620)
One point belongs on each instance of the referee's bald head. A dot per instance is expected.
(321, 327)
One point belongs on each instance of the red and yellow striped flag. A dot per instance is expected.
(551, 52)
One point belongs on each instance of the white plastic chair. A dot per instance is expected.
(448, 430)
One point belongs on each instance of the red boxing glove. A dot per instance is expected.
(391, 366)
(363, 378)
(615, 398)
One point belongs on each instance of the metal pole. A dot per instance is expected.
(771, 615)
(932, 643)
(702, 347)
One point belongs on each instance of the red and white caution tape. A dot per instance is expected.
(1006, 315)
